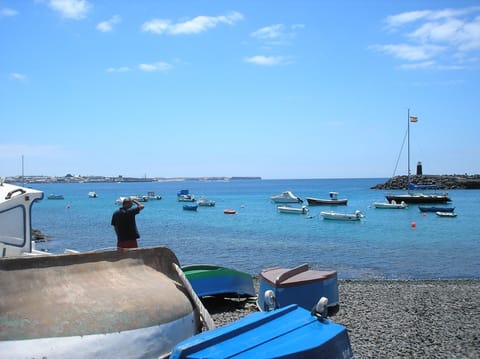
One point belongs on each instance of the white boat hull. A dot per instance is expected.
(152, 342)
(342, 216)
(295, 210)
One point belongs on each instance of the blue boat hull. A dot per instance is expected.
(305, 287)
(290, 332)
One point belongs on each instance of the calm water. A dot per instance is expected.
(383, 245)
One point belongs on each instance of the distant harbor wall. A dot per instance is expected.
(443, 182)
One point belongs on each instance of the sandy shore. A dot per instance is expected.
(397, 319)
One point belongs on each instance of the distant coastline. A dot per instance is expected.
(442, 182)
(104, 179)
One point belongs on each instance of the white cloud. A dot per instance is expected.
(107, 26)
(70, 9)
(442, 37)
(8, 12)
(18, 76)
(410, 52)
(269, 32)
(266, 60)
(193, 26)
(157, 66)
(119, 69)
(277, 34)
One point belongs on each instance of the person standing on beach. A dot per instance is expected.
(123, 220)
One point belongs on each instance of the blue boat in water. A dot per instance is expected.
(289, 332)
(436, 209)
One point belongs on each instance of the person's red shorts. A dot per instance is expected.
(128, 244)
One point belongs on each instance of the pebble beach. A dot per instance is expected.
(397, 319)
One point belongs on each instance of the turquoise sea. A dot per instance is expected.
(384, 245)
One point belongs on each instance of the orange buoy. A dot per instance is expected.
(414, 224)
(424, 214)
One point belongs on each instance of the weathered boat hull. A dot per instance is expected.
(208, 280)
(299, 285)
(94, 304)
(290, 332)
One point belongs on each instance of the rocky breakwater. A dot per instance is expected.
(443, 182)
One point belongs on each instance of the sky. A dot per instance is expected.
(278, 89)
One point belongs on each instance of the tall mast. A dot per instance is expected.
(408, 143)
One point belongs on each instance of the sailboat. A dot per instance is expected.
(412, 197)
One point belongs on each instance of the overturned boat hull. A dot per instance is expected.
(290, 332)
(94, 304)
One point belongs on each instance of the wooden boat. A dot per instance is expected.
(390, 205)
(190, 207)
(333, 200)
(300, 285)
(289, 332)
(55, 196)
(446, 214)
(94, 304)
(343, 216)
(436, 209)
(286, 197)
(229, 211)
(204, 202)
(289, 209)
(210, 280)
(87, 305)
(412, 197)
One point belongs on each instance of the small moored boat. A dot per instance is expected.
(185, 196)
(356, 216)
(229, 211)
(55, 196)
(436, 209)
(333, 200)
(92, 195)
(152, 195)
(286, 197)
(390, 205)
(190, 207)
(205, 202)
(446, 214)
(210, 280)
(289, 209)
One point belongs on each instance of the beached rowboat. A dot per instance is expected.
(94, 305)
(209, 280)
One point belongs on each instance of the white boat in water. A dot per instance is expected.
(91, 304)
(390, 205)
(446, 214)
(343, 216)
(289, 209)
(286, 197)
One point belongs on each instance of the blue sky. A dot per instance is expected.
(277, 89)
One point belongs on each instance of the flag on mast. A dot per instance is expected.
(413, 119)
